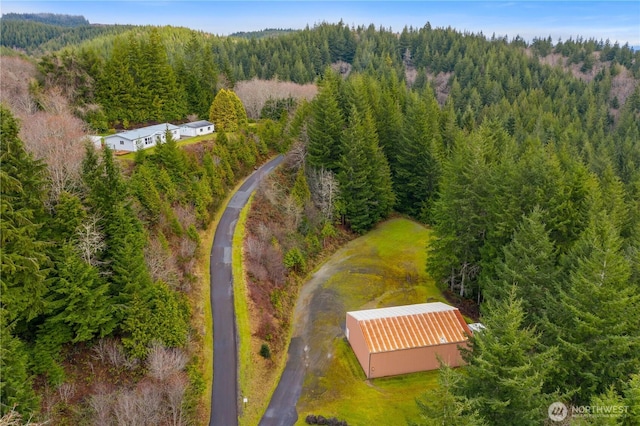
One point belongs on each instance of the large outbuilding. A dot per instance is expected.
(406, 339)
(145, 137)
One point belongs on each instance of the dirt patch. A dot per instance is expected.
(442, 85)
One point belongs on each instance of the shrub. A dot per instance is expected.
(265, 352)
(294, 259)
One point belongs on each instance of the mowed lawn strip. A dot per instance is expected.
(384, 268)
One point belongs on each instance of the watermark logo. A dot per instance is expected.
(557, 411)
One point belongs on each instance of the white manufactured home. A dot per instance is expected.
(145, 137)
(196, 128)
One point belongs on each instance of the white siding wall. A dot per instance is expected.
(187, 131)
(118, 143)
(191, 131)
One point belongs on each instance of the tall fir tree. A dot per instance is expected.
(460, 214)
(167, 100)
(529, 265)
(597, 317)
(442, 406)
(325, 126)
(116, 89)
(356, 193)
(417, 170)
(16, 382)
(507, 368)
(24, 260)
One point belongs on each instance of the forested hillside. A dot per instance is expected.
(48, 18)
(101, 302)
(523, 158)
(46, 32)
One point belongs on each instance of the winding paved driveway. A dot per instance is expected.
(224, 398)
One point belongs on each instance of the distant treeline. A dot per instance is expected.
(41, 34)
(48, 18)
(267, 32)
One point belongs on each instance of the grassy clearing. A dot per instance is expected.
(383, 268)
(346, 394)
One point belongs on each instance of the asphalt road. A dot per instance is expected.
(282, 407)
(225, 398)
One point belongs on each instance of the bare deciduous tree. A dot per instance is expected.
(161, 265)
(253, 248)
(90, 240)
(111, 351)
(126, 409)
(174, 389)
(255, 93)
(293, 212)
(341, 67)
(14, 418)
(66, 392)
(15, 76)
(164, 362)
(324, 190)
(101, 403)
(296, 156)
(186, 215)
(58, 139)
(149, 403)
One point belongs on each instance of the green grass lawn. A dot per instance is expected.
(384, 268)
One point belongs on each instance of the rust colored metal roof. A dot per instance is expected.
(404, 327)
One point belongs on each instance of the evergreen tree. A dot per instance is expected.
(78, 299)
(442, 406)
(197, 74)
(16, 383)
(364, 176)
(123, 258)
(460, 214)
(355, 192)
(380, 172)
(325, 126)
(162, 316)
(506, 369)
(23, 257)
(597, 319)
(157, 76)
(227, 112)
(116, 89)
(416, 171)
(300, 190)
(529, 265)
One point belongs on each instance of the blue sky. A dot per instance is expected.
(615, 20)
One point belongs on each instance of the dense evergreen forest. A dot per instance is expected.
(523, 157)
(40, 33)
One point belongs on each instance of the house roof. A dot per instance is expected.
(197, 124)
(411, 326)
(145, 131)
